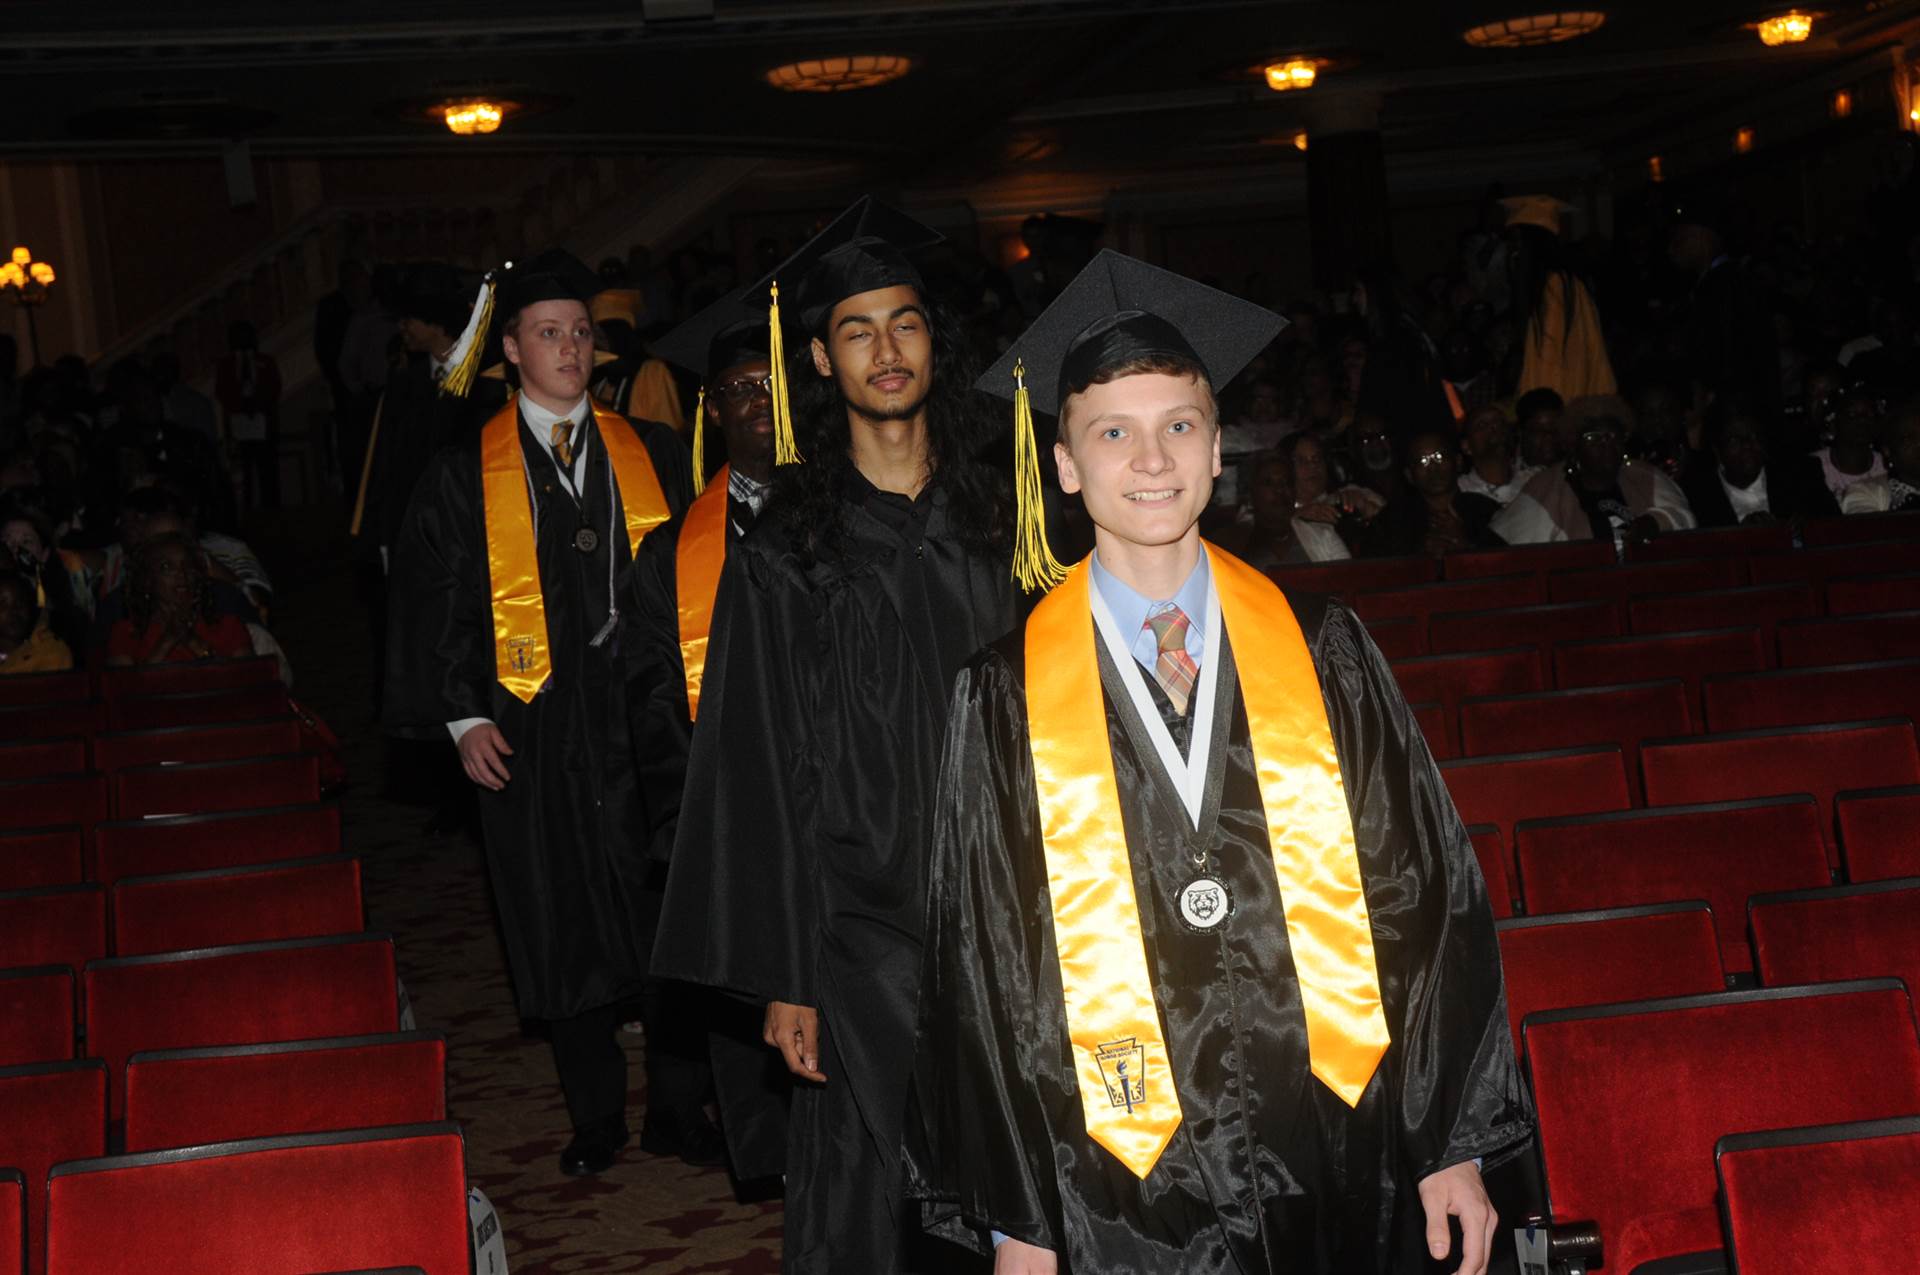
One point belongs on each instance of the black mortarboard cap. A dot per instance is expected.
(731, 330)
(862, 250)
(435, 292)
(1118, 309)
(554, 275)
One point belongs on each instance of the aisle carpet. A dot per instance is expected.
(648, 1213)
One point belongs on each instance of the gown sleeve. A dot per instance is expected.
(1458, 1091)
(440, 659)
(742, 906)
(982, 1118)
(656, 686)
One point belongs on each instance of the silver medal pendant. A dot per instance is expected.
(586, 540)
(1204, 903)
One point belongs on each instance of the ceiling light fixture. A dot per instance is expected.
(1293, 73)
(474, 115)
(1539, 28)
(1742, 141)
(1840, 106)
(839, 74)
(1786, 28)
(1300, 140)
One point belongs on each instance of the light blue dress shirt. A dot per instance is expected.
(1131, 611)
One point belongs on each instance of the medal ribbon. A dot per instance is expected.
(1112, 1018)
(520, 656)
(698, 557)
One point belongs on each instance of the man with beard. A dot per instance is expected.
(798, 874)
(670, 596)
(505, 621)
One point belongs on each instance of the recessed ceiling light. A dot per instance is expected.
(1539, 28)
(839, 74)
(1292, 73)
(1787, 28)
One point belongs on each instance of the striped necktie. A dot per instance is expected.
(563, 444)
(1175, 669)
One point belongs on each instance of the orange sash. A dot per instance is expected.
(1127, 1093)
(697, 560)
(520, 657)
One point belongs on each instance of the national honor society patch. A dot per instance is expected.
(1123, 1065)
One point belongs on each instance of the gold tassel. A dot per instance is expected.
(700, 443)
(785, 450)
(460, 376)
(1034, 565)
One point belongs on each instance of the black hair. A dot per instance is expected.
(1537, 257)
(140, 566)
(810, 497)
(1728, 408)
(1538, 400)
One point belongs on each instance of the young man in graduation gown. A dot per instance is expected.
(799, 862)
(504, 623)
(1211, 979)
(669, 597)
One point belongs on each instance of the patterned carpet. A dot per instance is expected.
(648, 1213)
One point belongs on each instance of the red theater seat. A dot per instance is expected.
(189, 788)
(188, 679)
(1432, 719)
(1618, 584)
(1874, 593)
(1722, 853)
(1879, 832)
(1841, 932)
(303, 898)
(51, 1113)
(188, 1097)
(1810, 696)
(1856, 529)
(1817, 760)
(1831, 1198)
(1448, 679)
(45, 688)
(1691, 657)
(1503, 790)
(1819, 566)
(1568, 959)
(56, 799)
(49, 721)
(198, 708)
(1632, 1098)
(1849, 639)
(1491, 853)
(54, 925)
(300, 989)
(1400, 638)
(31, 857)
(1454, 631)
(192, 843)
(1715, 542)
(236, 741)
(1567, 555)
(13, 1221)
(1761, 606)
(267, 1206)
(1622, 715)
(36, 1015)
(1357, 575)
(39, 758)
(1422, 601)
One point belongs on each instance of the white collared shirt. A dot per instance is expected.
(1751, 499)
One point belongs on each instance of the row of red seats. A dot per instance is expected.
(138, 681)
(88, 798)
(75, 852)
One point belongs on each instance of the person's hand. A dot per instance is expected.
(1458, 1192)
(1014, 1258)
(1316, 511)
(483, 754)
(794, 1030)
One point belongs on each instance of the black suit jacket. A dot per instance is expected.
(1795, 489)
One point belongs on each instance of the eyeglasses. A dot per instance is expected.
(1429, 459)
(745, 389)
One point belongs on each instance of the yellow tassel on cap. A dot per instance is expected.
(1034, 565)
(785, 450)
(471, 345)
(700, 443)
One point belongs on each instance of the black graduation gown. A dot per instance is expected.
(1269, 1170)
(799, 865)
(416, 422)
(751, 1081)
(564, 838)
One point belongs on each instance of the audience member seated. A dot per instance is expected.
(1273, 538)
(1736, 481)
(169, 613)
(1434, 517)
(31, 545)
(148, 513)
(1853, 419)
(1488, 442)
(1540, 414)
(1323, 519)
(1897, 491)
(1599, 495)
(27, 644)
